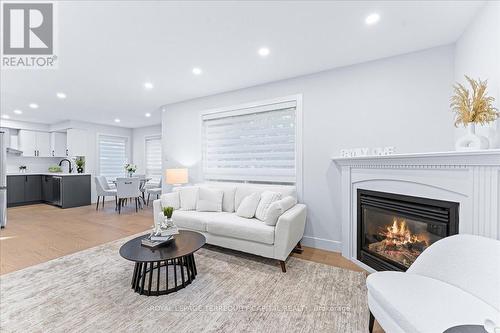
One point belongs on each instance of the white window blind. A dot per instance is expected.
(153, 158)
(112, 156)
(254, 144)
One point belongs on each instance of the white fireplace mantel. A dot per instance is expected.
(470, 178)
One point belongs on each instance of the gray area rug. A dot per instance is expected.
(90, 291)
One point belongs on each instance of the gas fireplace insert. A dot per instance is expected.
(393, 229)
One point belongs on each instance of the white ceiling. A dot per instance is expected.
(108, 49)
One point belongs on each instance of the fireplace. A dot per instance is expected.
(393, 229)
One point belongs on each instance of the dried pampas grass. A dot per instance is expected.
(473, 108)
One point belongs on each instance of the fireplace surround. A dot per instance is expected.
(394, 229)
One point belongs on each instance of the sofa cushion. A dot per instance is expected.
(170, 200)
(231, 225)
(227, 198)
(248, 206)
(188, 196)
(277, 208)
(193, 220)
(209, 200)
(266, 199)
(422, 304)
(242, 190)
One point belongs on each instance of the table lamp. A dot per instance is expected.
(176, 177)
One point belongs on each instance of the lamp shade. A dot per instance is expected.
(177, 176)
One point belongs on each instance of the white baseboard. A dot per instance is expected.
(321, 243)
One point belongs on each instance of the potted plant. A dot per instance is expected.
(472, 108)
(130, 168)
(80, 163)
(167, 212)
(22, 168)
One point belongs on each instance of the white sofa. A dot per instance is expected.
(456, 281)
(228, 230)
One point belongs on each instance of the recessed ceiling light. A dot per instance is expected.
(372, 18)
(5, 116)
(61, 95)
(148, 114)
(197, 71)
(264, 51)
(117, 120)
(33, 105)
(18, 111)
(148, 85)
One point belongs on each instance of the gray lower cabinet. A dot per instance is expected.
(33, 188)
(48, 188)
(62, 191)
(23, 190)
(75, 191)
(15, 190)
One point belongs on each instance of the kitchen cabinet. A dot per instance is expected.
(64, 191)
(48, 188)
(27, 142)
(15, 190)
(34, 143)
(76, 142)
(58, 145)
(33, 188)
(24, 189)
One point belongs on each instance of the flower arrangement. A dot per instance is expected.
(130, 168)
(473, 108)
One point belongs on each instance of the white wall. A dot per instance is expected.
(139, 136)
(477, 54)
(400, 101)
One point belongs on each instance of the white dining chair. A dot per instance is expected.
(154, 190)
(127, 188)
(103, 190)
(142, 185)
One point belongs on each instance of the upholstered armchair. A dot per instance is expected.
(456, 281)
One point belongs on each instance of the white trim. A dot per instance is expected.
(297, 99)
(321, 243)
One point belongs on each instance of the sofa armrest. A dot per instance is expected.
(289, 231)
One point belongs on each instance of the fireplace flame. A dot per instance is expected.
(398, 234)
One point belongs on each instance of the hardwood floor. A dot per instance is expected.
(39, 233)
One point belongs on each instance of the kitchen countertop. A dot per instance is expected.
(61, 174)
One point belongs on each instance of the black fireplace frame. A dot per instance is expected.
(432, 211)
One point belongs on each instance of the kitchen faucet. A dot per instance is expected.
(69, 162)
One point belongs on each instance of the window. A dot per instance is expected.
(153, 158)
(253, 144)
(112, 156)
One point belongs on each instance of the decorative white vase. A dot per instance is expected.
(472, 141)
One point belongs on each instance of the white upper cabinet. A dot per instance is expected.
(33, 143)
(58, 144)
(77, 142)
(43, 144)
(27, 142)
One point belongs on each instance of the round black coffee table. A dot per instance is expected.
(165, 269)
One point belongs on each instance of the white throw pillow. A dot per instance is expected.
(188, 196)
(248, 206)
(170, 200)
(266, 199)
(277, 208)
(209, 200)
(227, 198)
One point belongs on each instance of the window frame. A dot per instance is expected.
(239, 108)
(149, 137)
(98, 149)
